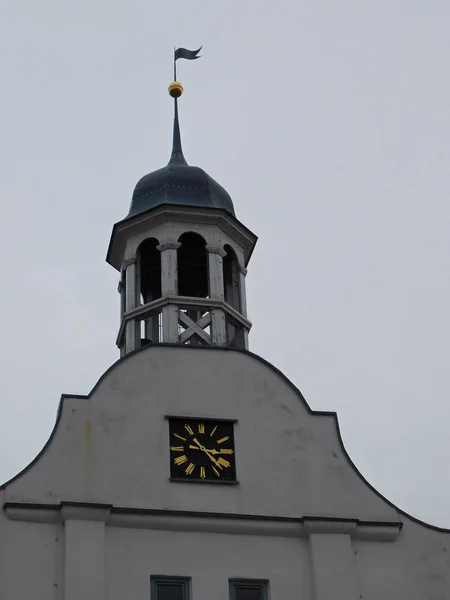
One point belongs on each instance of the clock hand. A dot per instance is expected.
(212, 451)
(208, 453)
(204, 449)
(213, 459)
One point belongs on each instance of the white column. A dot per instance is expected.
(169, 287)
(333, 561)
(215, 265)
(243, 293)
(217, 292)
(132, 327)
(242, 290)
(121, 290)
(84, 552)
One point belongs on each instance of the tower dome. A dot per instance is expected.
(179, 183)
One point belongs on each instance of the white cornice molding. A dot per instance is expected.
(168, 246)
(77, 512)
(374, 531)
(181, 214)
(216, 250)
(128, 261)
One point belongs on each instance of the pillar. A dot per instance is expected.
(333, 561)
(169, 287)
(243, 293)
(84, 552)
(132, 329)
(216, 292)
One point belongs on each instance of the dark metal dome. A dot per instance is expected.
(178, 183)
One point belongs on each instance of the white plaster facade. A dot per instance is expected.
(95, 515)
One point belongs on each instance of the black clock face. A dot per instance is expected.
(202, 450)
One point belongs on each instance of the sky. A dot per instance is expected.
(329, 125)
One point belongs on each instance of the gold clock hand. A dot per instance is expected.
(208, 453)
(205, 449)
(211, 450)
(213, 459)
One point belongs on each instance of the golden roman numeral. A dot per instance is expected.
(223, 462)
(190, 468)
(212, 432)
(179, 460)
(189, 429)
(202, 473)
(177, 448)
(216, 471)
(201, 428)
(224, 439)
(179, 437)
(226, 451)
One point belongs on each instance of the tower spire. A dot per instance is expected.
(175, 90)
(177, 156)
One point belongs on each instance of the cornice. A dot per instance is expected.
(168, 246)
(178, 213)
(216, 250)
(167, 520)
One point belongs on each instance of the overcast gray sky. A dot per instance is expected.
(328, 123)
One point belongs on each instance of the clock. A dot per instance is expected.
(201, 450)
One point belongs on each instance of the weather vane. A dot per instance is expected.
(175, 88)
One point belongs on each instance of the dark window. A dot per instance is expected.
(192, 266)
(150, 270)
(169, 588)
(248, 590)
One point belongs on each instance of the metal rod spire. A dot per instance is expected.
(174, 64)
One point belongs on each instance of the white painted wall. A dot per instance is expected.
(209, 559)
(112, 449)
(32, 561)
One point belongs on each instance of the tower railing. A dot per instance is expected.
(190, 320)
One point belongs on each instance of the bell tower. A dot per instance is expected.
(182, 257)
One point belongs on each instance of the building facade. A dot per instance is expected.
(195, 469)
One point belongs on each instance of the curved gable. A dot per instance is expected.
(112, 446)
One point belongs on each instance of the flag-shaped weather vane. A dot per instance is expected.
(175, 88)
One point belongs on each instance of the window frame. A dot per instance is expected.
(155, 580)
(263, 584)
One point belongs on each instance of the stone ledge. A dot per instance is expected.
(134, 518)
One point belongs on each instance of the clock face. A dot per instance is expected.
(202, 450)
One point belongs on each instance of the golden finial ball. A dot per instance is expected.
(175, 89)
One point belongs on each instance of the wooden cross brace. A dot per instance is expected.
(193, 328)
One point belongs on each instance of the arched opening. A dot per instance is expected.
(150, 288)
(150, 270)
(235, 331)
(192, 266)
(192, 259)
